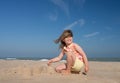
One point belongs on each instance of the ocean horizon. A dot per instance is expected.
(106, 59)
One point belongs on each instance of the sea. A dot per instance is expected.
(105, 59)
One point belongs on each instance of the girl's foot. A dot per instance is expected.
(66, 72)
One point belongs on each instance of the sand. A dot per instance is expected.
(29, 71)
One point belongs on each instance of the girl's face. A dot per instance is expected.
(68, 40)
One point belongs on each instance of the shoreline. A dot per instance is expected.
(100, 59)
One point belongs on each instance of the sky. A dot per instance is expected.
(28, 28)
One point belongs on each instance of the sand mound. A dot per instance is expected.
(26, 71)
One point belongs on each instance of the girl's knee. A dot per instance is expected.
(57, 68)
(60, 68)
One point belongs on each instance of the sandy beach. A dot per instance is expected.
(29, 71)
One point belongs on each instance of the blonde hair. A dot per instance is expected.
(65, 34)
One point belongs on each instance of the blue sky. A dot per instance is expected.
(29, 27)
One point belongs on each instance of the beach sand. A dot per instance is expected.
(29, 71)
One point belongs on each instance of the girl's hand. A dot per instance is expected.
(86, 69)
(49, 62)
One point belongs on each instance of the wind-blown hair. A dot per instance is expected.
(65, 34)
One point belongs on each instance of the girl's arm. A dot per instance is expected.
(56, 59)
(80, 50)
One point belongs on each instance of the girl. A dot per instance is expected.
(76, 57)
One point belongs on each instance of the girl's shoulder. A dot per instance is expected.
(75, 44)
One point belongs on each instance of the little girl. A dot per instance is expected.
(76, 57)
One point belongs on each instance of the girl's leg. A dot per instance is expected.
(61, 67)
(70, 62)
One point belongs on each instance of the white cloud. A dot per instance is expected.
(62, 5)
(81, 22)
(108, 37)
(91, 34)
(71, 25)
(65, 6)
(53, 16)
